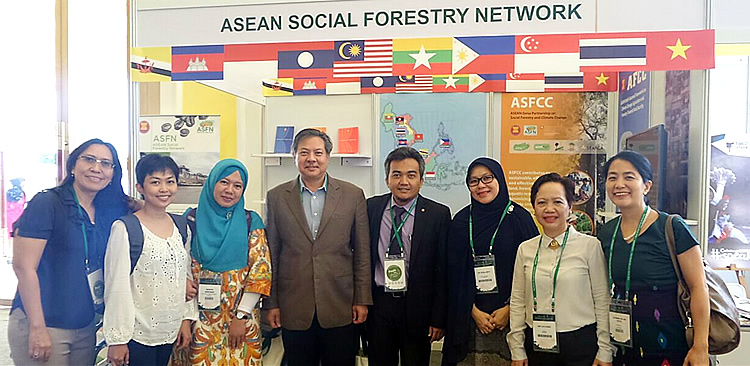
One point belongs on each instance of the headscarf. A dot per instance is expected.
(517, 227)
(220, 241)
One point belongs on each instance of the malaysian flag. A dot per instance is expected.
(363, 58)
(414, 84)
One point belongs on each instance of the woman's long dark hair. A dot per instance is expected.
(111, 198)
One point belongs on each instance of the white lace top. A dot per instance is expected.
(148, 305)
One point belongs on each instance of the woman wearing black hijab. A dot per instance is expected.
(483, 239)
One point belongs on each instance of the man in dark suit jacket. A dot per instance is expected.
(317, 233)
(408, 235)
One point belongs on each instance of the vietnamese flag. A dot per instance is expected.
(600, 81)
(450, 84)
(422, 56)
(682, 50)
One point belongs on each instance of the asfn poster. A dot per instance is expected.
(556, 132)
(192, 141)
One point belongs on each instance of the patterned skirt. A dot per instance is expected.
(659, 333)
(487, 350)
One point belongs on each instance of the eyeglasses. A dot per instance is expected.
(90, 160)
(486, 179)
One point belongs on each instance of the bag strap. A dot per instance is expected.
(182, 225)
(135, 238)
(669, 233)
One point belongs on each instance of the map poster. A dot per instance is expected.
(449, 130)
(556, 132)
(634, 92)
(192, 141)
(728, 213)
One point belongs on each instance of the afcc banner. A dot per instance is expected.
(192, 141)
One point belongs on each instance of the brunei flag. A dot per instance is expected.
(282, 87)
(450, 84)
(422, 56)
(150, 64)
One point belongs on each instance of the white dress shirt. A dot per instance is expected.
(147, 306)
(581, 297)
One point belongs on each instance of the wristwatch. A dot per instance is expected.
(241, 315)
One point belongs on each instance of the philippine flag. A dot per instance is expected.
(197, 63)
(478, 55)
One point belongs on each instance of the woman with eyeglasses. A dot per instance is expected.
(642, 278)
(58, 252)
(482, 243)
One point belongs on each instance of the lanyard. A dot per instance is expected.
(557, 269)
(83, 231)
(630, 259)
(492, 241)
(397, 230)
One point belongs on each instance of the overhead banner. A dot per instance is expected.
(314, 21)
(556, 132)
(192, 141)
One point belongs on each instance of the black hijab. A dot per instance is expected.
(517, 227)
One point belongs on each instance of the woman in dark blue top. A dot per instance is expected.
(642, 276)
(58, 253)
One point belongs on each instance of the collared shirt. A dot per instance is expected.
(312, 204)
(385, 235)
(581, 297)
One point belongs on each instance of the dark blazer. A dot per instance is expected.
(327, 275)
(427, 298)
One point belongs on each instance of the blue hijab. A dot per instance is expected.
(220, 241)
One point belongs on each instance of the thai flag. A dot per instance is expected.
(598, 53)
(363, 58)
(564, 81)
(400, 131)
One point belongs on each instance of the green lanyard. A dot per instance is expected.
(557, 269)
(630, 259)
(397, 231)
(83, 231)
(492, 241)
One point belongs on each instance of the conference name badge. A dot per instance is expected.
(484, 274)
(545, 333)
(395, 273)
(96, 286)
(620, 326)
(209, 292)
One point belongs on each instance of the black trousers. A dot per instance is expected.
(577, 347)
(388, 336)
(142, 355)
(318, 346)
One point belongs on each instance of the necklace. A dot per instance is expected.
(631, 236)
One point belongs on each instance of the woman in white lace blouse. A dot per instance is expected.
(146, 312)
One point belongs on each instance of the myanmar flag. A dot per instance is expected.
(422, 56)
(450, 84)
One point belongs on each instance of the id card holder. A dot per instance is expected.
(395, 273)
(209, 291)
(96, 286)
(620, 325)
(484, 274)
(545, 333)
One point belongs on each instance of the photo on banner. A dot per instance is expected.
(449, 130)
(191, 140)
(556, 132)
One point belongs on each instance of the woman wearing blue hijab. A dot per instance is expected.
(233, 267)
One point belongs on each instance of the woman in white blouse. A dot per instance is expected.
(146, 312)
(559, 302)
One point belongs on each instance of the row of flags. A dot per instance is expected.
(427, 61)
(573, 82)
